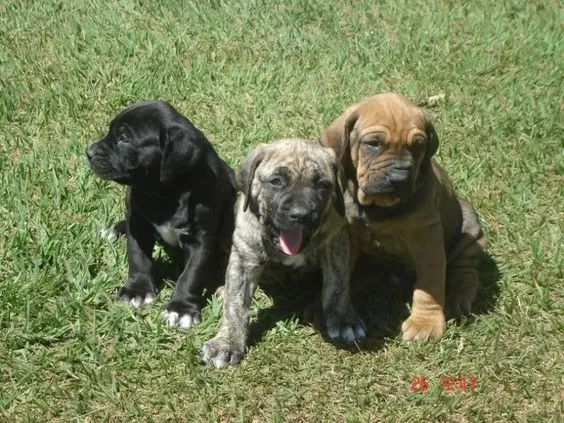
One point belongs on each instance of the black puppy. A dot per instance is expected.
(179, 192)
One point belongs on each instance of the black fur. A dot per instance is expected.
(174, 177)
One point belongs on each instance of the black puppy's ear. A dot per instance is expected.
(340, 187)
(182, 148)
(432, 142)
(246, 172)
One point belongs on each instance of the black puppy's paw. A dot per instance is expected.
(113, 232)
(137, 294)
(222, 351)
(182, 314)
(345, 326)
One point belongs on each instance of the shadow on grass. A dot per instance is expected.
(380, 296)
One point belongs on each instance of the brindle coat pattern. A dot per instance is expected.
(256, 257)
(402, 208)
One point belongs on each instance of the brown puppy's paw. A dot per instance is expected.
(459, 300)
(426, 327)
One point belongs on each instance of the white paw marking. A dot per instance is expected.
(184, 321)
(135, 302)
(171, 318)
(138, 301)
(108, 234)
(149, 298)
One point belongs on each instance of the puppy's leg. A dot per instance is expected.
(427, 320)
(184, 307)
(228, 346)
(139, 288)
(341, 320)
(462, 267)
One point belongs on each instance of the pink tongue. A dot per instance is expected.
(291, 242)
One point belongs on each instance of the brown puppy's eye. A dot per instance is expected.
(373, 143)
(418, 141)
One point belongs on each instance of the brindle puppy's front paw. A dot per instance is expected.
(222, 352)
(419, 327)
(137, 292)
(346, 326)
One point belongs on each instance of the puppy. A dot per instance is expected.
(180, 193)
(289, 222)
(402, 208)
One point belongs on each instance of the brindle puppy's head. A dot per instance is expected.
(385, 143)
(291, 185)
(147, 144)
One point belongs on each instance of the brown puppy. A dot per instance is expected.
(402, 208)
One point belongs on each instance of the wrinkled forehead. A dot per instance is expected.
(395, 115)
(298, 163)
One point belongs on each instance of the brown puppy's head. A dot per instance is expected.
(385, 143)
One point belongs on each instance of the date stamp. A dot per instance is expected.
(448, 383)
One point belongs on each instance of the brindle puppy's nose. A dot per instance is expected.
(298, 213)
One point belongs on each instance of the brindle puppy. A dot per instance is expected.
(290, 221)
(401, 207)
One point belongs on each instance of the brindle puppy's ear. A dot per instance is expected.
(432, 143)
(246, 173)
(182, 148)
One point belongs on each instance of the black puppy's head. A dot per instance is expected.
(147, 142)
(293, 185)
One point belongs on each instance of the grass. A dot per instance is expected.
(251, 72)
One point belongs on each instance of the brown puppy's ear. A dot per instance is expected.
(246, 173)
(182, 148)
(339, 188)
(337, 136)
(432, 142)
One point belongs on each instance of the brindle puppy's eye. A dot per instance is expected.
(322, 184)
(276, 181)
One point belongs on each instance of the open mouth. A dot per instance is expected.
(290, 241)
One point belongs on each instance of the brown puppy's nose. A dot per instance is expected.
(399, 172)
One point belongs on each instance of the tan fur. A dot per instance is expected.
(431, 230)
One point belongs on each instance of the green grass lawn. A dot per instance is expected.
(246, 73)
